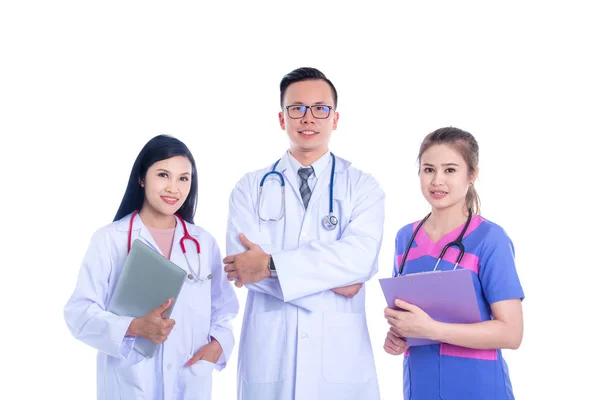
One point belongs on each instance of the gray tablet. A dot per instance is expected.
(148, 280)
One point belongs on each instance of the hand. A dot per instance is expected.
(209, 352)
(349, 291)
(247, 267)
(394, 343)
(412, 322)
(153, 326)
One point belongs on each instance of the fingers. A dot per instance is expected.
(239, 283)
(390, 313)
(395, 340)
(163, 331)
(229, 259)
(404, 305)
(231, 276)
(196, 357)
(394, 331)
(163, 307)
(229, 267)
(392, 349)
(244, 240)
(168, 324)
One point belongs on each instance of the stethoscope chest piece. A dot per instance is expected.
(330, 221)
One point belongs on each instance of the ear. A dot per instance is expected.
(336, 116)
(141, 182)
(281, 120)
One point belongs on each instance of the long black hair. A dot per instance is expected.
(158, 148)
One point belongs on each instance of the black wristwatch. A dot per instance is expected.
(272, 267)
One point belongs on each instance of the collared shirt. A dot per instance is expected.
(318, 168)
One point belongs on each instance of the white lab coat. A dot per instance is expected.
(203, 309)
(301, 340)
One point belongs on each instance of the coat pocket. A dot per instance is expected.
(195, 382)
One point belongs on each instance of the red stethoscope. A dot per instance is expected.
(193, 275)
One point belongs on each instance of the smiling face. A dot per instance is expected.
(308, 134)
(166, 186)
(445, 177)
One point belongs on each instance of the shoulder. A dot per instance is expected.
(359, 178)
(404, 233)
(491, 238)
(116, 228)
(252, 178)
(201, 234)
(488, 231)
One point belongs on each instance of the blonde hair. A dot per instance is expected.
(467, 146)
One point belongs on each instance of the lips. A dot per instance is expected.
(438, 194)
(308, 133)
(169, 200)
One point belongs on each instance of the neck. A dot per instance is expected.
(307, 158)
(447, 219)
(153, 219)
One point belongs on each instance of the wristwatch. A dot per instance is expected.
(272, 269)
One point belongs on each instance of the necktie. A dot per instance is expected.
(304, 188)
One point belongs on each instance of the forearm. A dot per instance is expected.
(271, 287)
(100, 329)
(493, 334)
(317, 267)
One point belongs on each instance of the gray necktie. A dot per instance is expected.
(304, 188)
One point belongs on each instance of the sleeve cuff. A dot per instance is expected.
(225, 339)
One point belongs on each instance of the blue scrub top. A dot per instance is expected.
(449, 372)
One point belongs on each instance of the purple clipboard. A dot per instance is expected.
(447, 296)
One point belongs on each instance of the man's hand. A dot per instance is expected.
(349, 291)
(247, 267)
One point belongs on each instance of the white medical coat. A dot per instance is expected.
(300, 340)
(203, 309)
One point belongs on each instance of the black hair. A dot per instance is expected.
(305, 74)
(158, 148)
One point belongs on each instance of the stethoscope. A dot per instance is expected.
(196, 276)
(330, 221)
(458, 243)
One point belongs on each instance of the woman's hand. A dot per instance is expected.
(394, 343)
(153, 326)
(411, 321)
(209, 352)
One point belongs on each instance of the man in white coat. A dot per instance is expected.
(303, 241)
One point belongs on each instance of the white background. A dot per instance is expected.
(84, 85)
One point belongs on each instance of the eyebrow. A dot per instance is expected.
(167, 171)
(299, 103)
(443, 165)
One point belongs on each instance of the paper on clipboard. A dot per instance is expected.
(446, 296)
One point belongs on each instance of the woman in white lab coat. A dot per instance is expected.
(197, 337)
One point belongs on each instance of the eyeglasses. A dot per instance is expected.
(319, 111)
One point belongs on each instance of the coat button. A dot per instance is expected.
(304, 335)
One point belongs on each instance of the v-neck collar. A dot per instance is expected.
(435, 248)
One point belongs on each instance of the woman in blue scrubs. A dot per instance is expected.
(468, 363)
